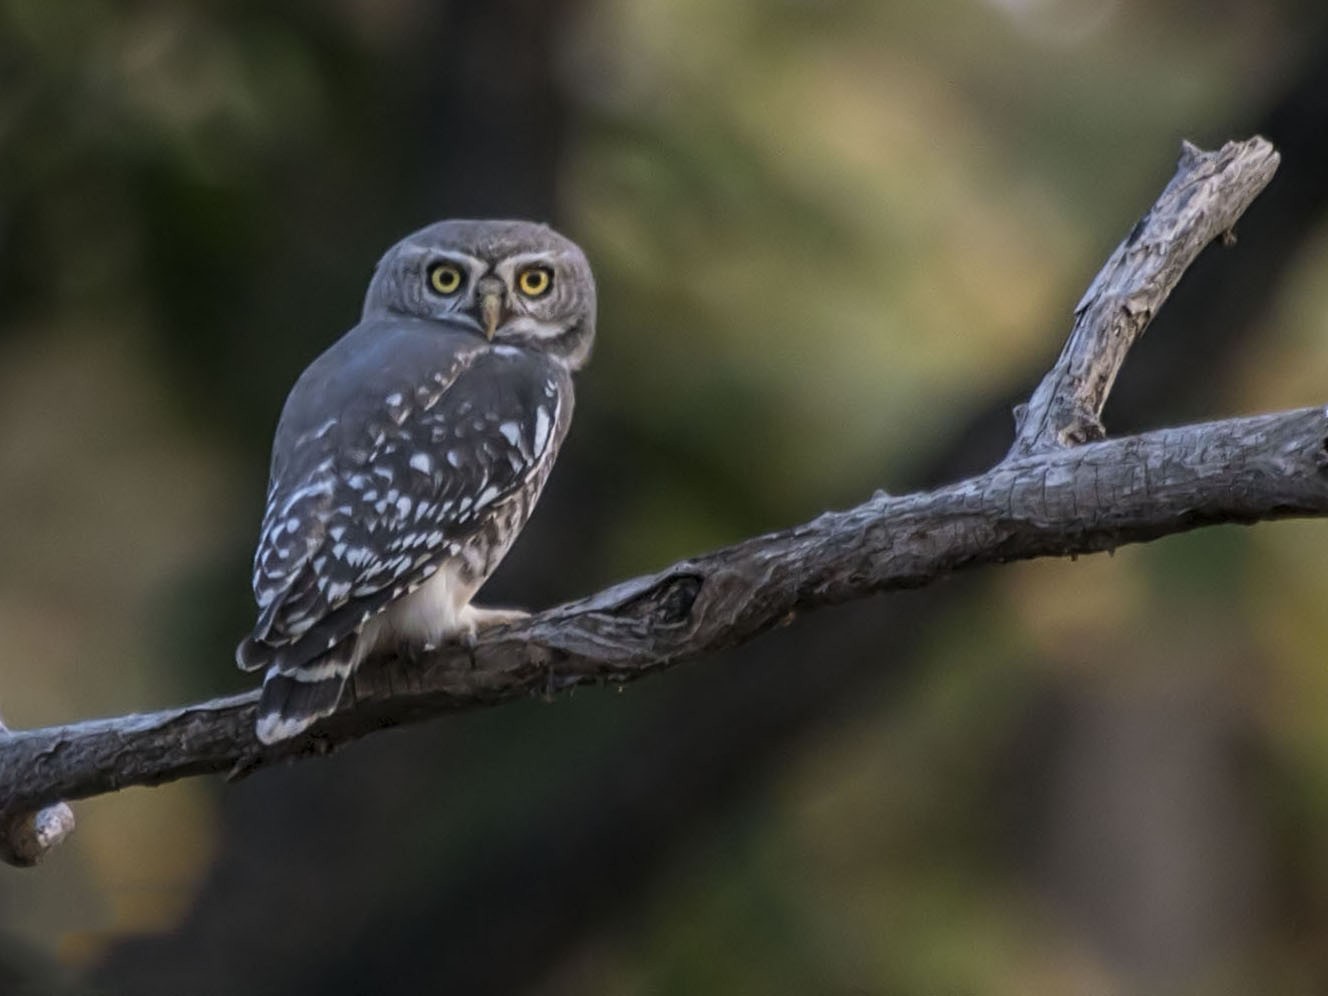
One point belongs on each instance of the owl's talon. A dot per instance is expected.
(478, 621)
(413, 654)
(469, 639)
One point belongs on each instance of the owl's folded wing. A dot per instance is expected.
(392, 491)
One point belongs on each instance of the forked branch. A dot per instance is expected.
(1059, 492)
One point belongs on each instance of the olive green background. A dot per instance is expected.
(835, 241)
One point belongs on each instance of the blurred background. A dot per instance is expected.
(835, 241)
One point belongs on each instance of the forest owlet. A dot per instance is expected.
(409, 455)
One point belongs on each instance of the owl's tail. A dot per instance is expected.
(294, 698)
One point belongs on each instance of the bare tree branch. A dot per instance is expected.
(1209, 192)
(1082, 500)
(28, 835)
(1045, 499)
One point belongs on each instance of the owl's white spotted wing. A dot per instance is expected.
(433, 434)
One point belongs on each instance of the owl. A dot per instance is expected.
(409, 455)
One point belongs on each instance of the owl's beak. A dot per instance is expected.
(491, 310)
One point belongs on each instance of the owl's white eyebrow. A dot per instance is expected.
(512, 263)
(474, 264)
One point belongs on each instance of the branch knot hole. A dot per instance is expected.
(668, 603)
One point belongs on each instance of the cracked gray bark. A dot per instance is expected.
(1056, 501)
(28, 835)
(1209, 192)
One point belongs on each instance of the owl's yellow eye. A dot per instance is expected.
(535, 281)
(445, 278)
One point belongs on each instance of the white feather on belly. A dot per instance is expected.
(427, 616)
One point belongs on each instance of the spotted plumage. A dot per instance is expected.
(411, 453)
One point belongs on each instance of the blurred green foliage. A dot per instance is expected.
(827, 233)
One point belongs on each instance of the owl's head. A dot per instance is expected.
(514, 282)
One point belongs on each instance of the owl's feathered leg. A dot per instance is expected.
(294, 699)
(475, 620)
